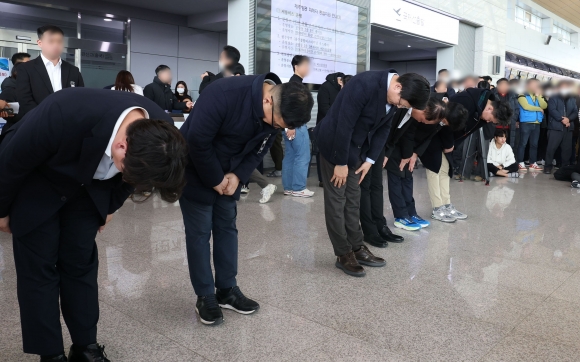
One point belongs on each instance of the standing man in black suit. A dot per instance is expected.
(351, 138)
(64, 170)
(160, 91)
(231, 128)
(46, 74)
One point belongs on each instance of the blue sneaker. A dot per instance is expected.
(407, 224)
(419, 220)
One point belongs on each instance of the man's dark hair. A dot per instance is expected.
(232, 53)
(435, 110)
(297, 60)
(237, 69)
(441, 71)
(346, 79)
(487, 78)
(160, 68)
(155, 159)
(437, 84)
(499, 133)
(50, 29)
(514, 81)
(483, 85)
(415, 90)
(295, 104)
(502, 112)
(14, 71)
(456, 116)
(501, 80)
(18, 57)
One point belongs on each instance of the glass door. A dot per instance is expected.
(34, 50)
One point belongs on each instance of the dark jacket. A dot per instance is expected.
(400, 142)
(475, 101)
(209, 78)
(9, 95)
(56, 148)
(356, 126)
(562, 107)
(33, 84)
(327, 94)
(296, 78)
(161, 94)
(430, 141)
(226, 133)
(512, 99)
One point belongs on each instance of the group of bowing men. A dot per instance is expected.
(69, 164)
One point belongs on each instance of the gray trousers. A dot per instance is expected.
(258, 178)
(341, 210)
(562, 139)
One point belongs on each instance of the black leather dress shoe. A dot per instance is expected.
(387, 235)
(376, 240)
(61, 358)
(90, 353)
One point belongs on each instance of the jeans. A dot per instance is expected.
(401, 195)
(531, 132)
(201, 221)
(296, 160)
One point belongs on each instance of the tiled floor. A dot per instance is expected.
(502, 286)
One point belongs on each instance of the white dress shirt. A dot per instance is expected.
(387, 107)
(106, 168)
(53, 72)
(406, 118)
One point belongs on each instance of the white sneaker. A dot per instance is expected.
(451, 210)
(288, 192)
(442, 214)
(245, 190)
(303, 193)
(267, 193)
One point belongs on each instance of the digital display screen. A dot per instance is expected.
(324, 30)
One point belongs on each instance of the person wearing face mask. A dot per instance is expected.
(504, 93)
(563, 115)
(160, 91)
(532, 106)
(182, 95)
(229, 55)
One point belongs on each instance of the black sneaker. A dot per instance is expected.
(575, 184)
(59, 358)
(234, 299)
(208, 310)
(91, 353)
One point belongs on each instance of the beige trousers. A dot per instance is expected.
(438, 184)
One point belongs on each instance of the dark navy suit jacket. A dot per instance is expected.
(226, 133)
(56, 148)
(356, 126)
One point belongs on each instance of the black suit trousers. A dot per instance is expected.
(371, 199)
(59, 259)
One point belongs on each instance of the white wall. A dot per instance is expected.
(530, 43)
(188, 52)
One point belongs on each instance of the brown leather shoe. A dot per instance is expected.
(365, 257)
(349, 265)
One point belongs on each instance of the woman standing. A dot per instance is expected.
(126, 83)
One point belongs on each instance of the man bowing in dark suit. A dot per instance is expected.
(65, 168)
(46, 74)
(232, 126)
(351, 137)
